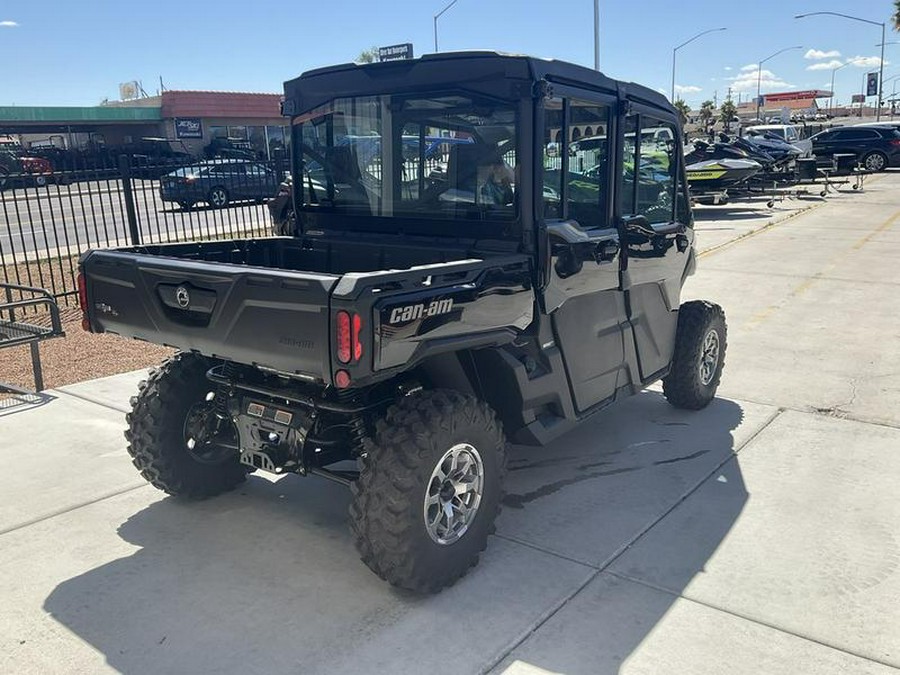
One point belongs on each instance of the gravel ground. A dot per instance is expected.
(78, 356)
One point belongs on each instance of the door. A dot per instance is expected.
(582, 296)
(260, 181)
(656, 233)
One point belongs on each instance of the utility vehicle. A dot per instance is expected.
(423, 316)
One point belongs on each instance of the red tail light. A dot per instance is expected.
(83, 302)
(348, 329)
(343, 337)
(357, 344)
(895, 141)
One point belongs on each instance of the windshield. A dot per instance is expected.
(439, 157)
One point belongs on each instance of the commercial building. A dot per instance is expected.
(194, 121)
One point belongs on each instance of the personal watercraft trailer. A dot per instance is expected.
(742, 168)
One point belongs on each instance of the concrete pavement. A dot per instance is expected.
(756, 536)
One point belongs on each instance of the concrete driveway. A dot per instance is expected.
(757, 536)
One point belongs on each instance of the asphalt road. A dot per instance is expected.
(758, 535)
(83, 215)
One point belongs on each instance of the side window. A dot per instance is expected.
(588, 156)
(554, 151)
(651, 169)
(629, 156)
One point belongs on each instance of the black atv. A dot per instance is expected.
(433, 306)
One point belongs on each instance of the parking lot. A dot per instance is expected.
(756, 536)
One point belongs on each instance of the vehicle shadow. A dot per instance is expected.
(266, 579)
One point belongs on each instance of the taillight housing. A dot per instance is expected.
(83, 302)
(348, 329)
(895, 141)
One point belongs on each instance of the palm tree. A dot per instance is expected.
(684, 109)
(706, 113)
(895, 18)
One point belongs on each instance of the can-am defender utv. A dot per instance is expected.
(463, 275)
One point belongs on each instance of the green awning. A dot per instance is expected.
(75, 115)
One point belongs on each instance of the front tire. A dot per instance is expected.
(430, 490)
(696, 369)
(168, 413)
(218, 197)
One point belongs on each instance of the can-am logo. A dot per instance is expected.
(420, 311)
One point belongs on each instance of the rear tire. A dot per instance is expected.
(159, 426)
(875, 161)
(429, 490)
(700, 342)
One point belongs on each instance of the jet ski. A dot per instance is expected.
(718, 167)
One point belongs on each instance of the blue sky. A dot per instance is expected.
(75, 52)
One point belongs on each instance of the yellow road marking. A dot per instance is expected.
(885, 225)
(762, 315)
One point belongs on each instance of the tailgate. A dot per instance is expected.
(253, 315)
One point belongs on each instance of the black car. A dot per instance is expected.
(218, 182)
(875, 147)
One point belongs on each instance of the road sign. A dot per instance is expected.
(396, 52)
(858, 98)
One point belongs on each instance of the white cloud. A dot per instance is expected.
(825, 65)
(8, 24)
(728, 68)
(866, 61)
(749, 66)
(819, 54)
(746, 81)
(686, 89)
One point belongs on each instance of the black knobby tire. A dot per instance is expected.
(684, 386)
(156, 432)
(387, 512)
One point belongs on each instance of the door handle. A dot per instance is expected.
(606, 251)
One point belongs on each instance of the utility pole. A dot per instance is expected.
(596, 34)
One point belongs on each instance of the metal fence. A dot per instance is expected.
(49, 217)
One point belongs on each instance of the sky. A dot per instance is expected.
(76, 52)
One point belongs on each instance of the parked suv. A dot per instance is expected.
(419, 320)
(876, 147)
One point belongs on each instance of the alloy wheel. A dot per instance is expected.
(453, 494)
(709, 357)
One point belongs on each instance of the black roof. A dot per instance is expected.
(504, 76)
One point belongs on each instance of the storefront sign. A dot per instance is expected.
(188, 127)
(396, 52)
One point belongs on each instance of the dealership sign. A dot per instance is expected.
(396, 52)
(188, 127)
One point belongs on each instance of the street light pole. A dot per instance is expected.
(597, 35)
(438, 16)
(833, 71)
(880, 65)
(759, 73)
(675, 51)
